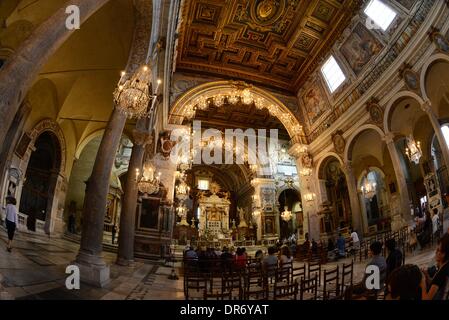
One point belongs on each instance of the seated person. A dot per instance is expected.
(404, 283)
(240, 258)
(341, 246)
(285, 257)
(379, 261)
(437, 288)
(394, 258)
(270, 262)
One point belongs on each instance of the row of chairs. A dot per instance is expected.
(309, 281)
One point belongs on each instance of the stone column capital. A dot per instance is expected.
(388, 138)
(297, 150)
(141, 138)
(426, 106)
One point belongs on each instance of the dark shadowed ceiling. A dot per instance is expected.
(276, 43)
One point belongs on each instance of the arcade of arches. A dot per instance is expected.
(246, 137)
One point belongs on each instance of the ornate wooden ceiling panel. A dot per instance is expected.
(239, 116)
(272, 42)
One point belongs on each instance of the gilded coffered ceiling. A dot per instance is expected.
(276, 43)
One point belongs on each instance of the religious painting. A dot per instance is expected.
(269, 226)
(339, 142)
(376, 112)
(306, 160)
(392, 187)
(149, 213)
(315, 102)
(360, 47)
(441, 42)
(411, 79)
(22, 146)
(407, 4)
(431, 185)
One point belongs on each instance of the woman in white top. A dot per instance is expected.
(12, 219)
(285, 256)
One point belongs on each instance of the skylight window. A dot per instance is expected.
(332, 74)
(380, 13)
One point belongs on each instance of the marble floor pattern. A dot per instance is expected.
(35, 270)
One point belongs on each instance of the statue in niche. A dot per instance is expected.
(242, 219)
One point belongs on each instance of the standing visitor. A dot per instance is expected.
(435, 223)
(355, 241)
(341, 243)
(11, 220)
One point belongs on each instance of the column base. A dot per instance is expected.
(126, 263)
(93, 270)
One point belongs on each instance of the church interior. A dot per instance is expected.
(168, 149)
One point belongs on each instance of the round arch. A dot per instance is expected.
(184, 104)
(85, 142)
(324, 160)
(430, 61)
(353, 138)
(53, 127)
(392, 102)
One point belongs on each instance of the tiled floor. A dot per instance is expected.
(35, 269)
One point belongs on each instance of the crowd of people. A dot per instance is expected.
(237, 259)
(401, 281)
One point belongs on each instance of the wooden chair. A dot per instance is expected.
(299, 273)
(232, 282)
(225, 295)
(270, 274)
(283, 273)
(314, 268)
(331, 284)
(309, 288)
(285, 291)
(347, 275)
(194, 286)
(255, 285)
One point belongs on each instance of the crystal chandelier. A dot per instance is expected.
(309, 196)
(413, 150)
(148, 183)
(369, 187)
(132, 96)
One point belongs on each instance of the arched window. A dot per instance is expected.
(445, 129)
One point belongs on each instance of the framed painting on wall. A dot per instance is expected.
(360, 47)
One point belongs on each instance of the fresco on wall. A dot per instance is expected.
(315, 102)
(360, 47)
(407, 4)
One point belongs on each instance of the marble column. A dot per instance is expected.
(308, 185)
(427, 108)
(125, 255)
(398, 220)
(21, 69)
(93, 269)
(353, 198)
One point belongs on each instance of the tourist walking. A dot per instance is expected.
(11, 220)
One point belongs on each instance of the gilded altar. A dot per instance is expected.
(214, 214)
